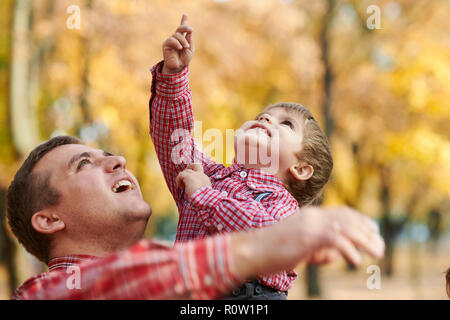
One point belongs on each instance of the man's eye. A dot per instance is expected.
(82, 163)
(288, 123)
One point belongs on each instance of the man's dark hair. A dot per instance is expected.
(29, 193)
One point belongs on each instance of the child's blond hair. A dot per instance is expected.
(315, 152)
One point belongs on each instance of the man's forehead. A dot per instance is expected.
(61, 155)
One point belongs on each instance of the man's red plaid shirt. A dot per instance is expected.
(229, 204)
(148, 270)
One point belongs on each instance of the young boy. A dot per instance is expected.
(212, 198)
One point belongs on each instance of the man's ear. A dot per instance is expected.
(301, 171)
(47, 222)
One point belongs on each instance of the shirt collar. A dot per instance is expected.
(225, 172)
(255, 178)
(67, 261)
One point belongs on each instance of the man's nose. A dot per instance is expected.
(113, 163)
(265, 117)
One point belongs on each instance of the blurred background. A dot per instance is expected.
(381, 94)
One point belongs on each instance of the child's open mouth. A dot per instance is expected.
(260, 128)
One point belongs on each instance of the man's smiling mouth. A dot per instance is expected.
(122, 186)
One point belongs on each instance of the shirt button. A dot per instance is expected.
(208, 281)
(219, 227)
(251, 185)
(219, 176)
(178, 289)
(243, 174)
(224, 193)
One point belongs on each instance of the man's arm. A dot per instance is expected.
(208, 268)
(306, 237)
(196, 270)
(171, 114)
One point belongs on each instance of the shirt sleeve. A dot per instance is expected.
(171, 126)
(193, 270)
(219, 212)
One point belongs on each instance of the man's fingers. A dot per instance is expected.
(374, 242)
(368, 222)
(369, 242)
(360, 230)
(347, 249)
(373, 225)
(324, 256)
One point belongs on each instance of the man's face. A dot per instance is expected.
(260, 134)
(100, 200)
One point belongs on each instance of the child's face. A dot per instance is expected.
(256, 136)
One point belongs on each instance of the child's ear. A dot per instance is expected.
(301, 171)
(47, 222)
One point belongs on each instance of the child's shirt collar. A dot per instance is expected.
(255, 179)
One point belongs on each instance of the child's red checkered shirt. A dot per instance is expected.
(229, 204)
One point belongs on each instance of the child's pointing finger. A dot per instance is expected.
(184, 19)
(184, 29)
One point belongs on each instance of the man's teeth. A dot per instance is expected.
(122, 184)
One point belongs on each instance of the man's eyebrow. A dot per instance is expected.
(85, 155)
(78, 156)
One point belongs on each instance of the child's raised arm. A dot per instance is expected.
(171, 112)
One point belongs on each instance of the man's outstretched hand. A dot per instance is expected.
(178, 49)
(315, 235)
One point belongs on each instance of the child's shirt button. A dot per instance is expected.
(243, 174)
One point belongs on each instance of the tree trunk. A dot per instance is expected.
(23, 119)
(24, 84)
(327, 74)
(86, 115)
(390, 227)
(8, 247)
(312, 271)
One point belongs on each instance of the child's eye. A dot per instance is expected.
(288, 123)
(83, 163)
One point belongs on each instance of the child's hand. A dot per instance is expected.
(192, 178)
(179, 48)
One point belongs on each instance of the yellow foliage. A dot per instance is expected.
(390, 93)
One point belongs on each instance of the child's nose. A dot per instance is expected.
(265, 117)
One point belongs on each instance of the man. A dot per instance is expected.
(81, 211)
